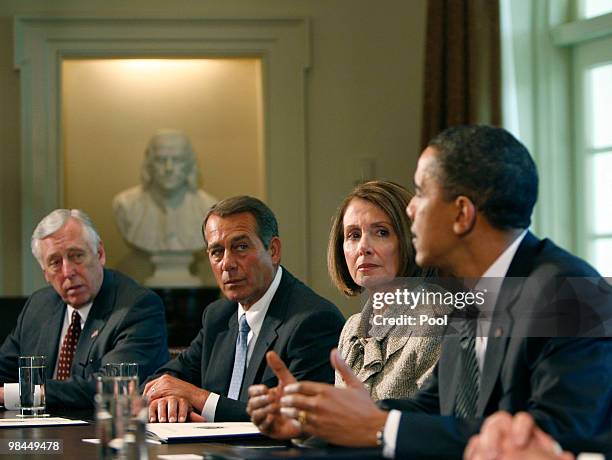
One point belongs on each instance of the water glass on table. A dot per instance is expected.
(126, 376)
(32, 378)
(119, 410)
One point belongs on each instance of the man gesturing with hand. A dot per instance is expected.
(297, 409)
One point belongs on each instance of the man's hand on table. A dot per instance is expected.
(505, 437)
(174, 400)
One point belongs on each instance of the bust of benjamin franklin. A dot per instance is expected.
(165, 212)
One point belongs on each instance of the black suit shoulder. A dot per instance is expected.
(124, 291)
(301, 300)
(297, 300)
(565, 263)
(578, 299)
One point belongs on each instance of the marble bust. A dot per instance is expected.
(165, 212)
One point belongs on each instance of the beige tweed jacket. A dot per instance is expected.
(396, 362)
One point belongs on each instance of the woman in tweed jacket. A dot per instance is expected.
(370, 251)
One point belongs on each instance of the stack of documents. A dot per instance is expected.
(185, 432)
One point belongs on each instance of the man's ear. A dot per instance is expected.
(465, 217)
(101, 253)
(274, 248)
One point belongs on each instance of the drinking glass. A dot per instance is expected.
(32, 375)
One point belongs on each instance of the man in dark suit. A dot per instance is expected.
(475, 190)
(266, 308)
(88, 317)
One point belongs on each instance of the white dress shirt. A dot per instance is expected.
(491, 280)
(255, 317)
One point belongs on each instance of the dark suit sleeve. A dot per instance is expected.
(571, 392)
(231, 410)
(420, 414)
(572, 386)
(306, 355)
(140, 337)
(187, 365)
(10, 350)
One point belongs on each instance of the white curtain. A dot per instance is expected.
(536, 106)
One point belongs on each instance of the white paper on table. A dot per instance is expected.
(169, 432)
(38, 421)
(180, 457)
(97, 441)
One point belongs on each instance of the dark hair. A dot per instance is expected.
(490, 167)
(267, 227)
(390, 198)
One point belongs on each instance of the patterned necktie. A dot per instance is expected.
(69, 346)
(239, 359)
(469, 381)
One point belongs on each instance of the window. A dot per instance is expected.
(592, 8)
(557, 80)
(593, 101)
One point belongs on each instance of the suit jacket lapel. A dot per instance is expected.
(267, 336)
(98, 315)
(496, 349)
(222, 356)
(50, 347)
(502, 321)
(449, 371)
(268, 333)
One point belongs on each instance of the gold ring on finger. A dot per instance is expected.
(302, 417)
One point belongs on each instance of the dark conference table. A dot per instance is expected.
(75, 448)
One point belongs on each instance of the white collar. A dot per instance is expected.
(257, 312)
(83, 312)
(499, 268)
(493, 278)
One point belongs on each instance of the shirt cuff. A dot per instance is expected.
(210, 407)
(11, 396)
(390, 433)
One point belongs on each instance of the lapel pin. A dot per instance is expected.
(498, 332)
(95, 333)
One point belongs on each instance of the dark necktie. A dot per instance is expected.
(467, 393)
(240, 358)
(69, 346)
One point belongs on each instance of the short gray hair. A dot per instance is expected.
(55, 220)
